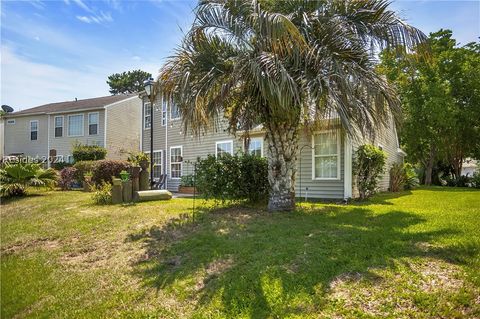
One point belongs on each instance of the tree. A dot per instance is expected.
(285, 66)
(127, 82)
(440, 97)
(16, 178)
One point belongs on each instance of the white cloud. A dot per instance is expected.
(26, 84)
(136, 58)
(82, 5)
(99, 19)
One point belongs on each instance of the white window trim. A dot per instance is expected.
(83, 125)
(164, 113)
(55, 126)
(162, 171)
(145, 116)
(10, 121)
(338, 157)
(98, 123)
(181, 163)
(261, 144)
(30, 130)
(223, 142)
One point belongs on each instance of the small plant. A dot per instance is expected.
(124, 175)
(67, 177)
(369, 164)
(82, 168)
(102, 194)
(15, 179)
(402, 176)
(135, 158)
(88, 152)
(187, 181)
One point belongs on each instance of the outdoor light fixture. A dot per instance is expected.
(149, 90)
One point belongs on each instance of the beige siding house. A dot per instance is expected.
(324, 158)
(50, 131)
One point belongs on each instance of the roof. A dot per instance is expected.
(68, 106)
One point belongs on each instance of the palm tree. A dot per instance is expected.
(16, 178)
(285, 65)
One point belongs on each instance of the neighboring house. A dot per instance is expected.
(324, 158)
(469, 167)
(51, 130)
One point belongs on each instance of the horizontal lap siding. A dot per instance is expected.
(63, 145)
(17, 136)
(123, 123)
(327, 189)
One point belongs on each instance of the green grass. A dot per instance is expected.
(407, 255)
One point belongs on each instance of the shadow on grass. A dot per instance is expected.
(259, 264)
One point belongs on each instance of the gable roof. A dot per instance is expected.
(69, 106)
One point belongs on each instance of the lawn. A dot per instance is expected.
(409, 255)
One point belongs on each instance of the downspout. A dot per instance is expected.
(48, 141)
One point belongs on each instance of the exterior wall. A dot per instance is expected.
(2, 137)
(123, 120)
(63, 145)
(17, 136)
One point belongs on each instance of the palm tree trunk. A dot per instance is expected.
(282, 141)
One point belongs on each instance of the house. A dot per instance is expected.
(50, 130)
(469, 167)
(324, 158)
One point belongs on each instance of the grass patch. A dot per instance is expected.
(408, 255)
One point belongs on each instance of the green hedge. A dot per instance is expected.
(239, 177)
(368, 165)
(104, 170)
(88, 152)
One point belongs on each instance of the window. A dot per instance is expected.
(75, 125)
(174, 111)
(164, 113)
(223, 147)
(34, 130)
(93, 123)
(256, 146)
(58, 126)
(326, 155)
(157, 163)
(147, 115)
(11, 122)
(176, 162)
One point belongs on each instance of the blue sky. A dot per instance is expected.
(58, 50)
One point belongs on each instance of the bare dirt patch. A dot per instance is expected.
(213, 270)
(40, 243)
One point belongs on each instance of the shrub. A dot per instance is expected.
(476, 180)
(187, 181)
(82, 168)
(462, 181)
(88, 152)
(67, 177)
(369, 164)
(233, 177)
(102, 194)
(16, 178)
(105, 169)
(60, 165)
(402, 176)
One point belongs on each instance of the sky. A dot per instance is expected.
(55, 51)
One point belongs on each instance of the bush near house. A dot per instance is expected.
(67, 177)
(402, 177)
(368, 165)
(88, 152)
(16, 178)
(233, 177)
(476, 180)
(105, 169)
(83, 167)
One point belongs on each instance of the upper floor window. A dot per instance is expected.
(75, 125)
(326, 155)
(147, 115)
(34, 130)
(93, 123)
(164, 113)
(157, 163)
(256, 146)
(223, 147)
(176, 158)
(174, 111)
(58, 126)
